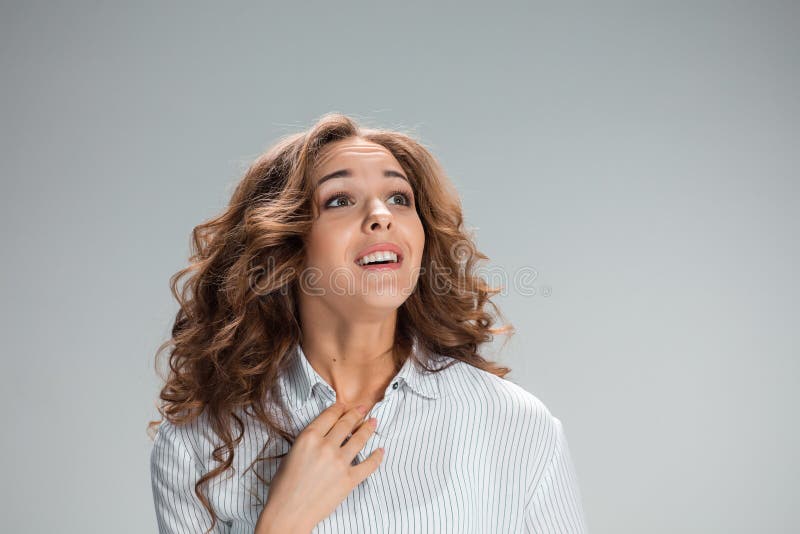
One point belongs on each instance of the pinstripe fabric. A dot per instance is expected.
(466, 452)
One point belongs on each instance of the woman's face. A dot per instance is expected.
(362, 198)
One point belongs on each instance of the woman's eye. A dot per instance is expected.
(334, 201)
(406, 198)
(335, 198)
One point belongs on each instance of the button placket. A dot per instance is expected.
(384, 412)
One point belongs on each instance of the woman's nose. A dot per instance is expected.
(379, 216)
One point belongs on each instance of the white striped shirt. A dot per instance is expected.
(466, 452)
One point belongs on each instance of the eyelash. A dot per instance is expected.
(344, 194)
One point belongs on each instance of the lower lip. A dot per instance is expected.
(382, 266)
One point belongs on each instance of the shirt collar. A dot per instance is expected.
(299, 380)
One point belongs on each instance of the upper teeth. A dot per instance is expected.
(378, 256)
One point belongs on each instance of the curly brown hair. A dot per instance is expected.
(237, 325)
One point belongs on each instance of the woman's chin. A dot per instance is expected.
(375, 301)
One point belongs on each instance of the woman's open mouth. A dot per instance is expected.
(380, 261)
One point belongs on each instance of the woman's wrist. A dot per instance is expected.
(273, 522)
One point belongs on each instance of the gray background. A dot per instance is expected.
(640, 157)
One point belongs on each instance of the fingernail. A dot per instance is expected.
(361, 408)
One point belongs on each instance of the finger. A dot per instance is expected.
(345, 426)
(359, 438)
(326, 419)
(368, 466)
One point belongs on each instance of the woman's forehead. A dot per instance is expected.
(348, 150)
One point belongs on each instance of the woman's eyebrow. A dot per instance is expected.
(347, 173)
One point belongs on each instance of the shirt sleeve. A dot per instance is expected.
(173, 474)
(555, 504)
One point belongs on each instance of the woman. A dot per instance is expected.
(325, 367)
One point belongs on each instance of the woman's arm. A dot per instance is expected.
(173, 474)
(555, 504)
(270, 522)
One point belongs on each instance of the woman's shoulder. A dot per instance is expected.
(499, 408)
(499, 396)
(196, 439)
(191, 438)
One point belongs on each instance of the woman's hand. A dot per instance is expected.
(317, 474)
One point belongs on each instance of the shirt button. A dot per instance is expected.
(394, 386)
